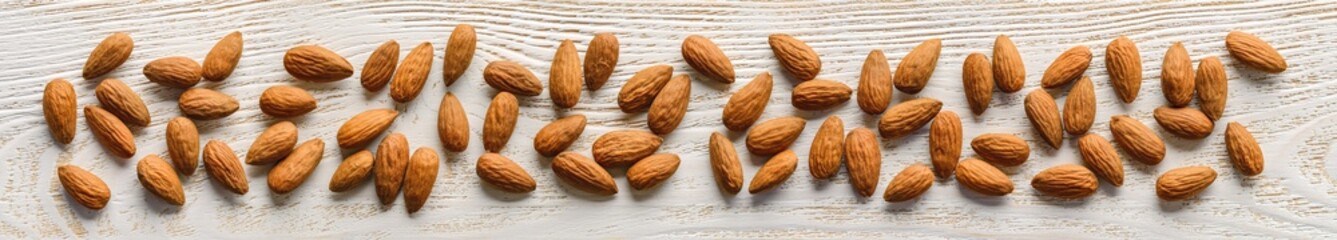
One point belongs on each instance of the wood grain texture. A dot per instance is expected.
(1293, 114)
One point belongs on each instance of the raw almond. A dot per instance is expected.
(1243, 149)
(60, 107)
(640, 91)
(559, 135)
(564, 77)
(500, 121)
(316, 64)
(1252, 51)
(504, 174)
(365, 126)
(913, 72)
(84, 187)
(819, 94)
(827, 148)
(352, 171)
(944, 142)
(205, 104)
(707, 58)
(977, 79)
(294, 170)
(1067, 181)
(1124, 64)
(983, 178)
(624, 147)
(1043, 114)
(452, 126)
(652, 170)
(286, 101)
(459, 53)
(183, 145)
(158, 177)
(123, 102)
(380, 66)
(274, 144)
(600, 60)
(774, 172)
(909, 184)
(224, 167)
(1136, 138)
(114, 136)
(668, 109)
(508, 76)
(775, 135)
(724, 164)
(1185, 122)
(1100, 156)
(1009, 72)
(412, 73)
(865, 160)
(109, 54)
(1177, 76)
(1001, 149)
(908, 116)
(392, 157)
(874, 83)
(177, 71)
(1069, 65)
(584, 174)
(746, 105)
(1211, 84)
(420, 178)
(795, 56)
(1079, 110)
(223, 58)
(1184, 183)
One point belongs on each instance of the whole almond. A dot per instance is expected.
(624, 147)
(177, 71)
(60, 108)
(908, 116)
(114, 136)
(500, 121)
(205, 104)
(1079, 110)
(420, 178)
(352, 171)
(1124, 64)
(392, 157)
(775, 135)
(819, 94)
(1184, 183)
(1009, 72)
(707, 58)
(380, 66)
(977, 80)
(183, 145)
(1177, 76)
(909, 184)
(223, 58)
(84, 187)
(109, 54)
(1001, 149)
(274, 144)
(504, 174)
(1101, 157)
(123, 102)
(1067, 181)
(652, 170)
(600, 60)
(1252, 51)
(224, 167)
(983, 178)
(316, 64)
(459, 53)
(1184, 122)
(874, 83)
(564, 77)
(558, 135)
(158, 177)
(452, 125)
(1069, 65)
(828, 147)
(584, 174)
(944, 142)
(746, 105)
(1243, 149)
(1043, 115)
(913, 72)
(286, 101)
(795, 56)
(640, 90)
(365, 126)
(508, 76)
(774, 172)
(412, 73)
(864, 157)
(668, 109)
(724, 164)
(294, 170)
(1136, 138)
(1211, 85)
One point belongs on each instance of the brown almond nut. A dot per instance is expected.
(84, 187)
(286, 101)
(1177, 76)
(294, 170)
(913, 72)
(109, 54)
(504, 174)
(452, 126)
(392, 157)
(977, 79)
(1100, 156)
(61, 110)
(1252, 51)
(274, 144)
(352, 171)
(365, 126)
(1001, 149)
(223, 58)
(641, 89)
(864, 157)
(774, 172)
(158, 177)
(828, 147)
(558, 135)
(316, 64)
(668, 109)
(944, 141)
(123, 102)
(600, 60)
(564, 77)
(176, 71)
(1042, 112)
(205, 104)
(459, 53)
(1184, 183)
(909, 184)
(584, 174)
(1211, 85)
(508, 76)
(979, 176)
(652, 170)
(420, 178)
(874, 83)
(114, 136)
(707, 58)
(183, 145)
(1067, 181)
(1079, 110)
(908, 116)
(746, 105)
(724, 164)
(1184, 122)
(775, 135)
(412, 73)
(795, 56)
(1136, 138)
(1244, 151)
(819, 94)
(1069, 65)
(500, 121)
(224, 167)
(1009, 72)
(1124, 64)
(624, 147)
(380, 66)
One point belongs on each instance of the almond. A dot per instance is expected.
(114, 136)
(909, 184)
(913, 72)
(1124, 64)
(559, 135)
(564, 77)
(316, 64)
(412, 73)
(352, 171)
(977, 79)
(224, 167)
(508, 76)
(1185, 122)
(746, 105)
(452, 126)
(459, 53)
(1067, 181)
(1252, 51)
(865, 160)
(109, 54)
(600, 60)
(1079, 110)
(1069, 65)
(775, 135)
(1137, 139)
(1177, 76)
(420, 178)
(874, 83)
(1211, 84)
(624, 147)
(84, 187)
(392, 157)
(294, 170)
(123, 102)
(1009, 72)
(652, 170)
(178, 72)
(285, 101)
(365, 126)
(504, 174)
(827, 148)
(908, 116)
(819, 94)
(983, 178)
(1243, 149)
(223, 58)
(584, 174)
(205, 104)
(1184, 183)
(774, 172)
(274, 144)
(380, 66)
(707, 58)
(670, 106)
(944, 141)
(1043, 114)
(183, 145)
(1100, 156)
(60, 107)
(724, 164)
(1001, 149)
(639, 91)
(795, 56)
(158, 177)
(500, 121)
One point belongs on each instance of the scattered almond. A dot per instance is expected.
(775, 135)
(1243, 149)
(60, 107)
(1177, 76)
(795, 56)
(500, 121)
(1043, 114)
(558, 135)
(1001, 149)
(183, 145)
(909, 184)
(459, 53)
(1009, 72)
(724, 164)
(827, 148)
(707, 58)
(624, 147)
(908, 116)
(1124, 64)
(1079, 110)
(944, 141)
(420, 178)
(600, 60)
(224, 167)
(316, 64)
(1211, 84)
(109, 54)
(380, 66)
(365, 126)
(913, 72)
(114, 136)
(564, 77)
(1067, 67)
(819, 94)
(158, 177)
(774, 172)
(274, 144)
(584, 174)
(640, 90)
(874, 83)
(392, 159)
(412, 73)
(205, 104)
(294, 170)
(223, 58)
(84, 187)
(123, 102)
(746, 105)
(864, 157)
(652, 170)
(1252, 51)
(983, 178)
(178, 72)
(352, 171)
(977, 80)
(286, 101)
(1185, 122)
(668, 109)
(504, 174)
(1184, 183)
(1137, 139)
(1101, 157)
(452, 126)
(1067, 181)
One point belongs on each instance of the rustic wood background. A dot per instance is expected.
(1292, 114)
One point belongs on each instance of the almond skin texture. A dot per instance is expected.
(114, 136)
(412, 73)
(600, 60)
(352, 171)
(707, 58)
(944, 141)
(865, 160)
(365, 126)
(1124, 64)
(775, 135)
(84, 187)
(1212, 90)
(1067, 67)
(1184, 122)
(874, 83)
(913, 72)
(223, 58)
(746, 105)
(123, 102)
(60, 108)
(983, 178)
(183, 145)
(504, 174)
(827, 148)
(1101, 157)
(559, 135)
(819, 94)
(294, 170)
(1243, 149)
(624, 147)
(1001, 149)
(670, 106)
(286, 101)
(500, 121)
(640, 91)
(1079, 110)
(1065, 181)
(909, 184)
(205, 104)
(1137, 139)
(1184, 183)
(274, 144)
(1250, 50)
(1043, 114)
(564, 77)
(724, 164)
(508, 76)
(977, 78)
(158, 177)
(109, 54)
(795, 56)
(420, 178)
(584, 174)
(774, 172)
(178, 72)
(380, 66)
(459, 53)
(908, 116)
(1177, 76)
(452, 125)
(392, 157)
(316, 64)
(224, 167)
(1009, 72)
(652, 170)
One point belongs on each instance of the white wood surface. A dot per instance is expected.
(1292, 114)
